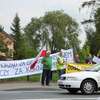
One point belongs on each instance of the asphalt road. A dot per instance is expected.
(34, 91)
(43, 93)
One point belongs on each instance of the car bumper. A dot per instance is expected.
(68, 84)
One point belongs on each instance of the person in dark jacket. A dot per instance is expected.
(47, 63)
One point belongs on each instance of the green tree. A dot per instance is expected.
(3, 47)
(95, 43)
(33, 35)
(62, 30)
(85, 51)
(55, 29)
(93, 4)
(16, 32)
(93, 35)
(1, 28)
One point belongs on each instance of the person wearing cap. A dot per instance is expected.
(47, 63)
(60, 64)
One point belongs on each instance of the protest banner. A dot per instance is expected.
(18, 68)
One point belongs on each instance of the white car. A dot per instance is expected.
(87, 81)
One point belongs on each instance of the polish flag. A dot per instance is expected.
(41, 54)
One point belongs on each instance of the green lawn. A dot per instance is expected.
(33, 78)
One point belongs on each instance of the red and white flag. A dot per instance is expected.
(41, 54)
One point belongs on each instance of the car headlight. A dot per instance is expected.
(71, 78)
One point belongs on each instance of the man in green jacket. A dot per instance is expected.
(47, 63)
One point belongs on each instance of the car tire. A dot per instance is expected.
(88, 87)
(72, 91)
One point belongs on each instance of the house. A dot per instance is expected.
(8, 42)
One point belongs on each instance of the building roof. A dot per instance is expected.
(8, 36)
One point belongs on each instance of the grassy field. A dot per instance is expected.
(33, 78)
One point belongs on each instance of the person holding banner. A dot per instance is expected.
(47, 63)
(60, 64)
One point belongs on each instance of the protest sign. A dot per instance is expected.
(18, 68)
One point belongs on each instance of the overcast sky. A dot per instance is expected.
(27, 9)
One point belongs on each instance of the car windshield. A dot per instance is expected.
(95, 67)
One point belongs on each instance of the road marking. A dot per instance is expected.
(62, 99)
(17, 91)
(10, 92)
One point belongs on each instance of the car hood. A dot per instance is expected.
(82, 74)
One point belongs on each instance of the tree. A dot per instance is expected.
(93, 4)
(1, 28)
(93, 35)
(32, 34)
(55, 29)
(62, 30)
(95, 43)
(3, 47)
(16, 32)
